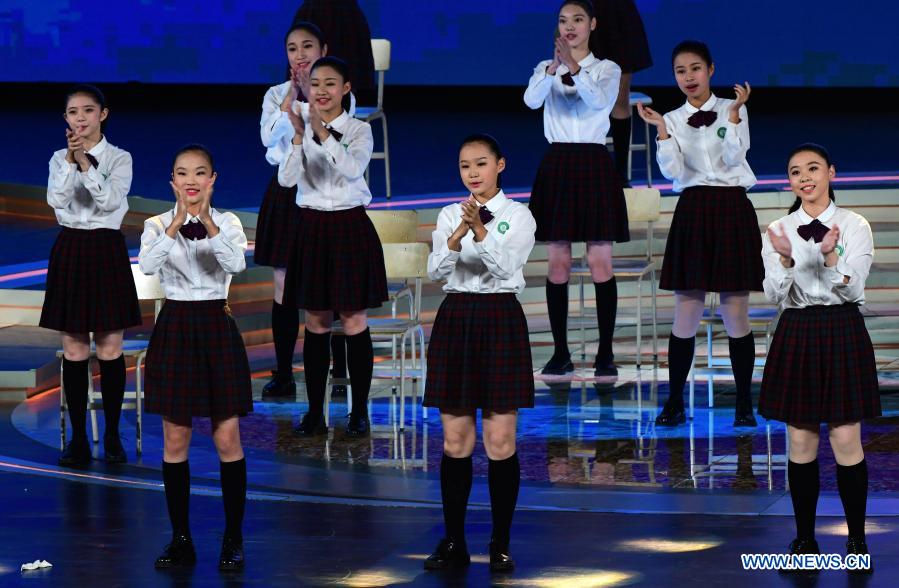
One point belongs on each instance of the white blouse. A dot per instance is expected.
(494, 265)
(95, 199)
(578, 113)
(190, 269)
(330, 176)
(710, 155)
(809, 282)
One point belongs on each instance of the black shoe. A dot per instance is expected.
(604, 367)
(448, 554)
(231, 556)
(802, 547)
(671, 417)
(357, 425)
(280, 386)
(858, 547)
(558, 366)
(500, 560)
(113, 452)
(77, 453)
(745, 419)
(312, 425)
(180, 552)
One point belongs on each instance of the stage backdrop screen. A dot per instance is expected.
(439, 42)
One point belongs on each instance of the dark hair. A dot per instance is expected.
(822, 152)
(88, 89)
(693, 46)
(195, 148)
(587, 5)
(341, 67)
(311, 28)
(492, 145)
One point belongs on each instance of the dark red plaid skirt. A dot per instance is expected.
(620, 36)
(577, 196)
(820, 368)
(337, 262)
(276, 225)
(90, 287)
(479, 355)
(714, 243)
(197, 364)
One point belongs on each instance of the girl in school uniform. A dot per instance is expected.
(621, 37)
(337, 263)
(479, 355)
(196, 361)
(714, 243)
(820, 368)
(90, 288)
(577, 195)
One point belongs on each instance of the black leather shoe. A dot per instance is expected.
(77, 453)
(357, 425)
(745, 420)
(500, 560)
(558, 366)
(671, 417)
(231, 556)
(802, 547)
(280, 386)
(857, 547)
(604, 367)
(448, 554)
(312, 425)
(180, 552)
(113, 452)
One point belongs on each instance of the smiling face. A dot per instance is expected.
(693, 76)
(575, 26)
(810, 178)
(328, 89)
(479, 169)
(193, 176)
(303, 49)
(84, 115)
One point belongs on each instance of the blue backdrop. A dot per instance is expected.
(438, 42)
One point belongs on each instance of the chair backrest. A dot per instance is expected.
(395, 226)
(380, 49)
(406, 260)
(148, 288)
(644, 205)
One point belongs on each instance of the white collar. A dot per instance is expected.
(824, 217)
(708, 105)
(100, 147)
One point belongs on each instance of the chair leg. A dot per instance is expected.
(582, 318)
(62, 408)
(639, 320)
(386, 155)
(648, 156)
(655, 326)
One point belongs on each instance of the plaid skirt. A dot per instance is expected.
(620, 36)
(276, 225)
(90, 287)
(479, 355)
(337, 262)
(714, 243)
(820, 368)
(197, 364)
(578, 196)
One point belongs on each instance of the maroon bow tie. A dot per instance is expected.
(92, 159)
(337, 135)
(567, 79)
(485, 214)
(193, 230)
(814, 230)
(702, 118)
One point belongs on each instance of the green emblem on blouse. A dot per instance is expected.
(840, 250)
(502, 227)
(722, 131)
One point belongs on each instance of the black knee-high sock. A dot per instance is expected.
(503, 478)
(557, 305)
(112, 388)
(285, 328)
(74, 375)
(316, 361)
(680, 358)
(234, 496)
(852, 482)
(455, 488)
(742, 358)
(360, 361)
(176, 477)
(620, 129)
(805, 486)
(606, 311)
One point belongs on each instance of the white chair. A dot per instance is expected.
(148, 288)
(380, 48)
(643, 205)
(646, 146)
